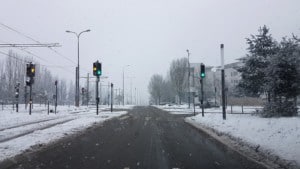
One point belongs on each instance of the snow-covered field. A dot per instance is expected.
(21, 131)
(281, 136)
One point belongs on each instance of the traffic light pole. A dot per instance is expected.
(17, 96)
(25, 96)
(30, 99)
(97, 95)
(87, 90)
(202, 106)
(111, 97)
(55, 96)
(223, 82)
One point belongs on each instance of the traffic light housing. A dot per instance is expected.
(97, 69)
(202, 70)
(30, 71)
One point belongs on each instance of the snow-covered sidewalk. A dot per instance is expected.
(20, 132)
(279, 136)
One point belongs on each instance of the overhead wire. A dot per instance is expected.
(28, 37)
(32, 39)
(30, 53)
(27, 61)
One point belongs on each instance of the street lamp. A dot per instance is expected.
(123, 84)
(77, 68)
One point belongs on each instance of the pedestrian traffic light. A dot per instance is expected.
(97, 69)
(202, 72)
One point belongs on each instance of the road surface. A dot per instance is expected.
(145, 138)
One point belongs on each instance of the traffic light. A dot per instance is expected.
(17, 87)
(97, 69)
(202, 72)
(30, 71)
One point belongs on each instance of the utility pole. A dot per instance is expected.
(108, 93)
(123, 96)
(189, 91)
(223, 82)
(112, 97)
(135, 96)
(55, 96)
(87, 89)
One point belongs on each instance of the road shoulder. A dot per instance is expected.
(243, 148)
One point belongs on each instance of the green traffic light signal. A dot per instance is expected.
(202, 75)
(97, 68)
(202, 70)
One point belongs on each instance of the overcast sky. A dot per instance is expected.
(145, 34)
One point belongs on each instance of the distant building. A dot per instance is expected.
(212, 80)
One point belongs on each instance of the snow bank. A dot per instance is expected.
(281, 136)
(21, 131)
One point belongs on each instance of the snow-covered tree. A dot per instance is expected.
(283, 80)
(261, 48)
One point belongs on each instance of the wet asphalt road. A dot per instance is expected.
(146, 138)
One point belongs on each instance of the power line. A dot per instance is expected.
(23, 49)
(32, 39)
(47, 66)
(28, 37)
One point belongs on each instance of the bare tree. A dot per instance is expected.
(178, 74)
(155, 88)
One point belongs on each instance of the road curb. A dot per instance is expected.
(266, 160)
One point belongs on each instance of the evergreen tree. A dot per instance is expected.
(282, 80)
(261, 48)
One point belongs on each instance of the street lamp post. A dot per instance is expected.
(77, 68)
(188, 52)
(123, 97)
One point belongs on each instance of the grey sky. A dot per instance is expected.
(146, 34)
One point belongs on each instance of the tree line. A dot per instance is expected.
(173, 86)
(270, 70)
(13, 71)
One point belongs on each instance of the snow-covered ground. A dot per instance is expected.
(280, 136)
(21, 131)
(183, 109)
